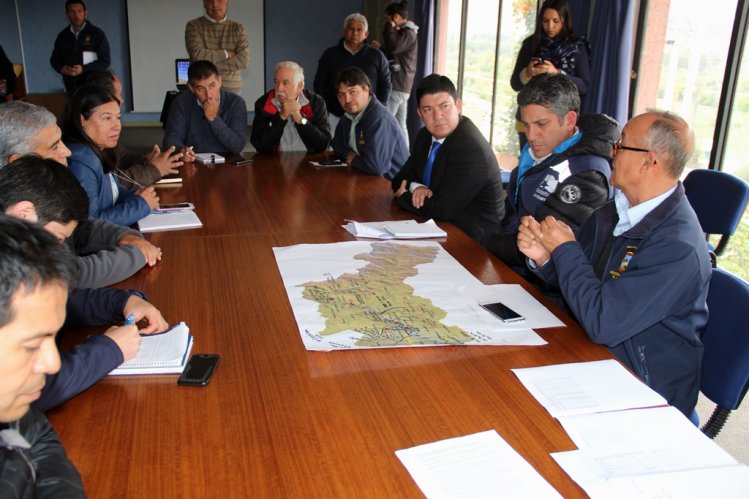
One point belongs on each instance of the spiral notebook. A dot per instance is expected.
(162, 220)
(164, 353)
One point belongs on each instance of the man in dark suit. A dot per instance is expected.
(452, 173)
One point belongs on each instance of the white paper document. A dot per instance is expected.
(646, 453)
(481, 465)
(395, 229)
(587, 387)
(386, 294)
(89, 56)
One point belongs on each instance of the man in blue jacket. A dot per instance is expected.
(367, 137)
(637, 276)
(207, 119)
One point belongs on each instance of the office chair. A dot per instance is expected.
(725, 363)
(719, 199)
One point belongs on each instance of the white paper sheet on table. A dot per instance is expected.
(476, 466)
(587, 387)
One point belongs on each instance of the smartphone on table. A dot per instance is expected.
(503, 312)
(199, 369)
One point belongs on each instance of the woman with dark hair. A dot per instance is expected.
(91, 124)
(553, 48)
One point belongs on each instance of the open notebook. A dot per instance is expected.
(164, 353)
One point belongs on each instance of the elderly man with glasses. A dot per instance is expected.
(637, 273)
(563, 170)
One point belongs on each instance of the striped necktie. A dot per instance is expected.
(430, 162)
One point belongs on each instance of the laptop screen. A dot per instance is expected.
(181, 66)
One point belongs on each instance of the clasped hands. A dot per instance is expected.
(538, 241)
(293, 109)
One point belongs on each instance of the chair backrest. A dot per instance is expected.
(718, 198)
(725, 364)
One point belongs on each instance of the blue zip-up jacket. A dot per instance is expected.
(649, 305)
(85, 364)
(88, 169)
(379, 140)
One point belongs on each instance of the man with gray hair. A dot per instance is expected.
(636, 275)
(564, 169)
(107, 253)
(352, 50)
(289, 118)
(29, 129)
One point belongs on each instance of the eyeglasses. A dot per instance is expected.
(617, 146)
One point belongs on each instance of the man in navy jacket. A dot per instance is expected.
(352, 50)
(367, 137)
(637, 276)
(79, 47)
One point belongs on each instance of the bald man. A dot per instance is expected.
(636, 277)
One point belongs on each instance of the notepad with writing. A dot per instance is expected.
(164, 353)
(162, 220)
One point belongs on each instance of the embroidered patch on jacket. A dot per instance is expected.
(624, 264)
(570, 194)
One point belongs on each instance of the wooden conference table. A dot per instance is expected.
(277, 420)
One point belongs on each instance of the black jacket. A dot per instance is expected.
(56, 477)
(466, 184)
(268, 126)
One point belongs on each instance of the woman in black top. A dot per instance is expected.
(553, 48)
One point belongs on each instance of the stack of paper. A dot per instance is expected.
(654, 452)
(164, 353)
(397, 229)
(628, 447)
(170, 219)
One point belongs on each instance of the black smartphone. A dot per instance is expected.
(199, 369)
(503, 312)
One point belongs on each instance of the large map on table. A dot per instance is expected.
(383, 294)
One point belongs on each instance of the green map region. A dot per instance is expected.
(377, 302)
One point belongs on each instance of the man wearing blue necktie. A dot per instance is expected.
(452, 173)
(564, 169)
